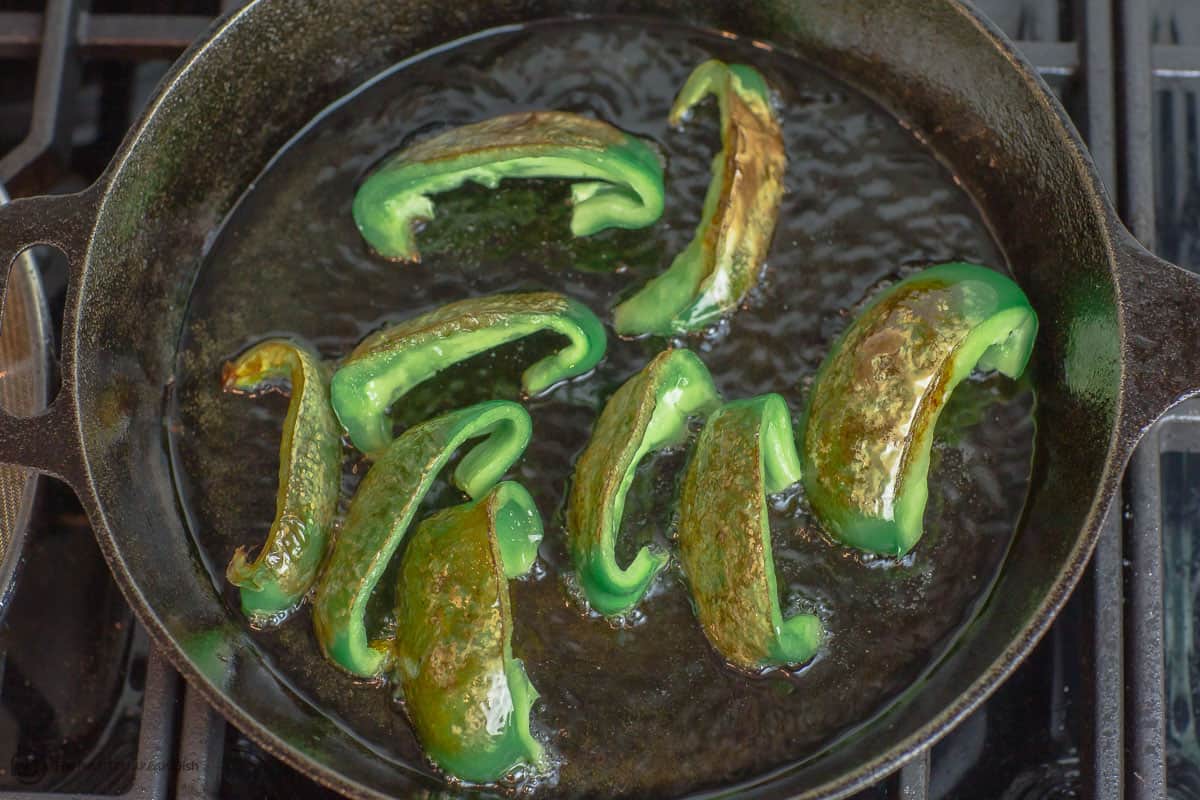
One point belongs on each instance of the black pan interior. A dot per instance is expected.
(277, 64)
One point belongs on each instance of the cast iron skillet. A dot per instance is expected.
(1117, 344)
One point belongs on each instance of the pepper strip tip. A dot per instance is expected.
(614, 590)
(781, 461)
(587, 344)
(1011, 355)
(798, 641)
(229, 376)
(390, 232)
(524, 695)
(262, 601)
(486, 463)
(709, 78)
(597, 206)
(518, 528)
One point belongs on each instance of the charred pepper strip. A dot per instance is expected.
(745, 452)
(387, 364)
(876, 398)
(649, 412)
(724, 259)
(621, 179)
(382, 510)
(310, 467)
(468, 698)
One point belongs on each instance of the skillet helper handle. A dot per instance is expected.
(1160, 348)
(50, 441)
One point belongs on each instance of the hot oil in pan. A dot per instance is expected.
(643, 709)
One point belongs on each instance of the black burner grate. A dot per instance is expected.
(1083, 717)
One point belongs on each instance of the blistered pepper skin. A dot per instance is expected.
(649, 412)
(310, 466)
(620, 178)
(745, 452)
(388, 363)
(725, 258)
(468, 698)
(382, 510)
(876, 399)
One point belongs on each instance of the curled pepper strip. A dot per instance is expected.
(649, 412)
(387, 364)
(310, 465)
(876, 398)
(382, 510)
(468, 698)
(621, 179)
(745, 452)
(724, 259)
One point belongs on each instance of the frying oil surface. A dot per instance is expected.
(645, 708)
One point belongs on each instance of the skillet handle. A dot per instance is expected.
(50, 442)
(1160, 348)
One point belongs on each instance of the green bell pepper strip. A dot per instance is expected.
(649, 412)
(724, 259)
(621, 178)
(468, 698)
(389, 363)
(383, 508)
(876, 399)
(310, 475)
(745, 452)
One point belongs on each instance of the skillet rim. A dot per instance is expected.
(899, 752)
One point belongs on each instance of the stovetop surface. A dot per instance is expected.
(87, 708)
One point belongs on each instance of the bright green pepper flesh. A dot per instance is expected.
(383, 508)
(468, 698)
(387, 364)
(649, 412)
(310, 466)
(745, 452)
(621, 179)
(876, 399)
(725, 258)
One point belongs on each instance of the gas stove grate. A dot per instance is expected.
(1086, 715)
